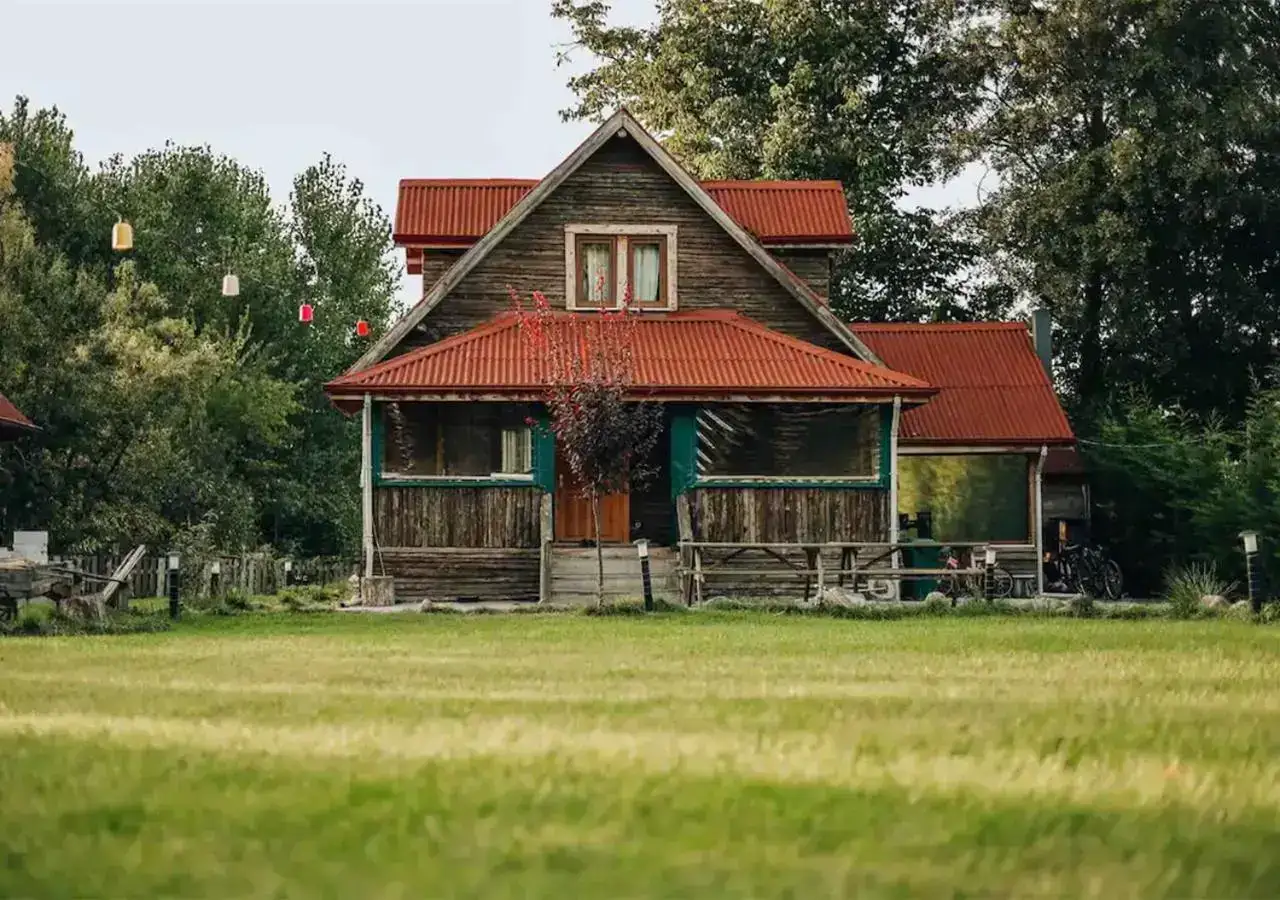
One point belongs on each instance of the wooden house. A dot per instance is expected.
(781, 421)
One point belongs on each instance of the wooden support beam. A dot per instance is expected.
(366, 483)
(547, 527)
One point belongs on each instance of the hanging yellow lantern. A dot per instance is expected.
(230, 285)
(121, 236)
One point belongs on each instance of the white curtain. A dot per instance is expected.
(517, 451)
(596, 267)
(646, 270)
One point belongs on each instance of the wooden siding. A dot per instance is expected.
(434, 264)
(621, 185)
(777, 515)
(813, 266)
(454, 573)
(491, 517)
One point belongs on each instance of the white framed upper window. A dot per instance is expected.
(606, 263)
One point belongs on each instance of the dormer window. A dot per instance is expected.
(605, 263)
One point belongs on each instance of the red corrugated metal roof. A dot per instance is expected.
(786, 212)
(459, 211)
(715, 352)
(992, 388)
(11, 420)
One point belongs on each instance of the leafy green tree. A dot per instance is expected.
(1137, 149)
(868, 93)
(167, 407)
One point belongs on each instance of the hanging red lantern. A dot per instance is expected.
(362, 328)
(306, 314)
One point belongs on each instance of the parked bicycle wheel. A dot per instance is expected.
(1003, 584)
(1111, 579)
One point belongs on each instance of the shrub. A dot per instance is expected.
(311, 597)
(1082, 606)
(937, 604)
(1270, 613)
(1186, 588)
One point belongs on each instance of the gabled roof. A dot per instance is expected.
(620, 123)
(13, 422)
(457, 212)
(992, 387)
(711, 353)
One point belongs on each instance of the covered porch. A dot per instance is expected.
(764, 438)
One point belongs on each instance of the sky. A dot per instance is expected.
(426, 89)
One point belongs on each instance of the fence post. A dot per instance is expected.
(175, 578)
(989, 574)
(642, 548)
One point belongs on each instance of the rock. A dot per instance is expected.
(839, 597)
(426, 605)
(1241, 609)
(1214, 601)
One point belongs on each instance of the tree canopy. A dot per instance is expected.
(168, 411)
(1132, 150)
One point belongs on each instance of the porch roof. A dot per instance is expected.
(992, 387)
(688, 355)
(12, 422)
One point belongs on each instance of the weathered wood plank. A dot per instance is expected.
(458, 516)
(622, 185)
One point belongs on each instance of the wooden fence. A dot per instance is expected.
(251, 573)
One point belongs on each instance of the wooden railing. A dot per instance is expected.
(859, 562)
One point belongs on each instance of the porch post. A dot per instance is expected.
(366, 482)
(1039, 520)
(893, 485)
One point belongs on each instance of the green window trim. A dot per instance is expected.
(544, 464)
(684, 462)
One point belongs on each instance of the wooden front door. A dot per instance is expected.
(573, 511)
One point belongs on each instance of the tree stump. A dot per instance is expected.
(377, 590)
(89, 607)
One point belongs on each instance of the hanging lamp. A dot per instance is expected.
(121, 236)
(362, 328)
(230, 285)
(306, 313)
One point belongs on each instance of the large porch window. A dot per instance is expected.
(746, 441)
(457, 440)
(972, 496)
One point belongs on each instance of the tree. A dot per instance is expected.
(1137, 148)
(868, 93)
(247, 478)
(588, 366)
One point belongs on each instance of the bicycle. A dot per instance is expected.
(959, 585)
(1085, 569)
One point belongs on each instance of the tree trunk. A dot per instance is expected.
(595, 522)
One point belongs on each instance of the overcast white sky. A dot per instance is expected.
(433, 88)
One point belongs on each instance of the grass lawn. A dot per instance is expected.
(709, 755)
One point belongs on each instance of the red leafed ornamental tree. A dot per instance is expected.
(587, 368)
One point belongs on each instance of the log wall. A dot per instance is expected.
(621, 185)
(778, 515)
(445, 574)
(491, 517)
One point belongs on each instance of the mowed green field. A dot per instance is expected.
(708, 755)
